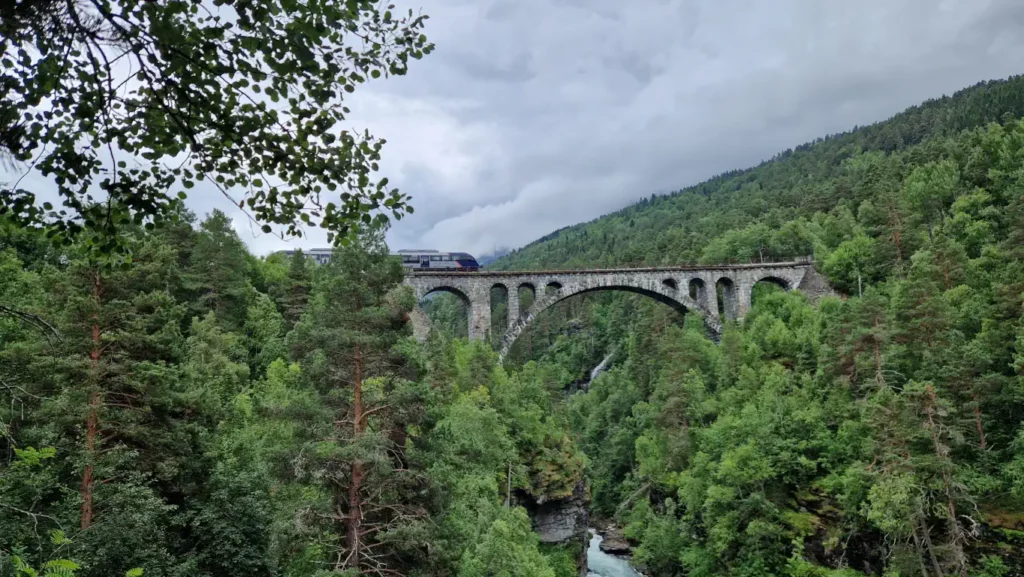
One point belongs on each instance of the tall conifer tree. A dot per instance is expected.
(346, 344)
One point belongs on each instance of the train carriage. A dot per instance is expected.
(411, 259)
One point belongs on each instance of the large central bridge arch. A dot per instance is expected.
(668, 294)
(715, 292)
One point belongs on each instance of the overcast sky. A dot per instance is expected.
(536, 114)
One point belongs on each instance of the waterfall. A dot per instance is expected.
(600, 368)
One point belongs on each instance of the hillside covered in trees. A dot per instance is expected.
(184, 408)
(879, 433)
(744, 215)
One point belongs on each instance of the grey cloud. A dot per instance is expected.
(476, 65)
(626, 99)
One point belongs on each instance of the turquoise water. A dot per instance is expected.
(600, 564)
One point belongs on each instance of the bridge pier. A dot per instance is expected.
(671, 285)
(513, 306)
(744, 297)
(480, 317)
(420, 323)
(706, 295)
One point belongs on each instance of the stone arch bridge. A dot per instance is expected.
(684, 288)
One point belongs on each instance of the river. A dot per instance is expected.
(601, 564)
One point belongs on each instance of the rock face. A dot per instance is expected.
(613, 541)
(563, 521)
(815, 286)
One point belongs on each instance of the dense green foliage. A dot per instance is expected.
(203, 412)
(140, 101)
(877, 433)
(198, 411)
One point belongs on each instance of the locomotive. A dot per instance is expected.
(436, 260)
(411, 259)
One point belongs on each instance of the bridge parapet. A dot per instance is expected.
(684, 288)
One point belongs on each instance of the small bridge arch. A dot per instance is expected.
(781, 282)
(447, 289)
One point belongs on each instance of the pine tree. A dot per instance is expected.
(346, 345)
(218, 272)
(264, 334)
(295, 292)
(112, 395)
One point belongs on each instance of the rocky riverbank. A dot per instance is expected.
(606, 558)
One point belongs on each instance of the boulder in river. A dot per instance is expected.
(614, 542)
(615, 546)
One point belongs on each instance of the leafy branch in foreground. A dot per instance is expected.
(127, 104)
(57, 567)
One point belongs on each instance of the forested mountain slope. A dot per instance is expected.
(739, 216)
(876, 434)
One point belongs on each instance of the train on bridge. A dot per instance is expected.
(412, 259)
(435, 260)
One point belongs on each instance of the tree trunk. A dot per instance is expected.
(91, 430)
(355, 514)
(956, 535)
(977, 420)
(879, 377)
(92, 420)
(926, 537)
(398, 437)
(920, 552)
(894, 222)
